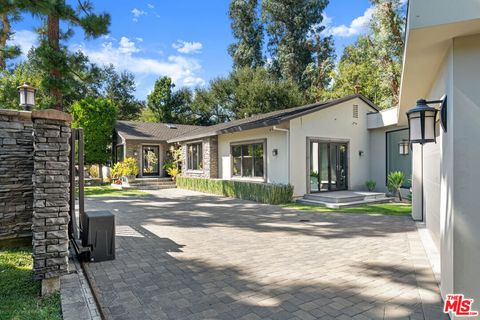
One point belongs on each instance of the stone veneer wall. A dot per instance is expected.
(210, 159)
(16, 169)
(35, 186)
(51, 197)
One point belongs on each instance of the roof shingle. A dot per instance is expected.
(133, 130)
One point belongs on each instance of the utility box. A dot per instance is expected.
(99, 234)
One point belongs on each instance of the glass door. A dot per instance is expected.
(338, 166)
(328, 166)
(151, 166)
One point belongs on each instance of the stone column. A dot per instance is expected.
(51, 130)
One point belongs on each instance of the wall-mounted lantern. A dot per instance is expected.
(27, 96)
(135, 153)
(422, 120)
(361, 153)
(404, 147)
(275, 152)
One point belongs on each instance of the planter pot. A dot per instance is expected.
(116, 186)
(130, 178)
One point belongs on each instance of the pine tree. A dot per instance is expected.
(8, 13)
(53, 56)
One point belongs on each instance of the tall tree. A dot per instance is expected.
(160, 99)
(120, 89)
(289, 25)
(387, 26)
(247, 28)
(54, 56)
(8, 14)
(372, 65)
(320, 70)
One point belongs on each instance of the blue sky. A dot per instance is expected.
(184, 39)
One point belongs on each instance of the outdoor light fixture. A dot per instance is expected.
(27, 96)
(275, 152)
(360, 153)
(135, 153)
(422, 120)
(404, 147)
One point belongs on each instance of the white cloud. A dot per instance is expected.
(183, 70)
(25, 39)
(137, 13)
(139, 39)
(151, 6)
(187, 47)
(358, 25)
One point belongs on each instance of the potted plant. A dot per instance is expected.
(371, 185)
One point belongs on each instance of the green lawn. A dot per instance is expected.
(108, 191)
(386, 209)
(19, 293)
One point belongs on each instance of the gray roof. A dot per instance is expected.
(133, 130)
(266, 119)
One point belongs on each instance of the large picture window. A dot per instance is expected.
(248, 160)
(194, 156)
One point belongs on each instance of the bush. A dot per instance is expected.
(127, 167)
(395, 182)
(93, 171)
(260, 192)
(371, 185)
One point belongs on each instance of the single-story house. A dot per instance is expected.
(442, 59)
(146, 142)
(328, 146)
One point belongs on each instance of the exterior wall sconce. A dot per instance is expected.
(422, 119)
(361, 153)
(404, 147)
(27, 95)
(135, 153)
(275, 152)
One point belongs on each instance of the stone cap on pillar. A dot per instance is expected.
(16, 113)
(52, 114)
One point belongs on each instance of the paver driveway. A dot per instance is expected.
(187, 255)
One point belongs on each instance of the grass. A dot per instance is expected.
(385, 209)
(108, 191)
(19, 293)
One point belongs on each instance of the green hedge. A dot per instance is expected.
(260, 192)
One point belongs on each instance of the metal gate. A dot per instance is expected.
(77, 218)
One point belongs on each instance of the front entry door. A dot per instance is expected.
(328, 166)
(151, 165)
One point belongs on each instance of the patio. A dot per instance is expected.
(187, 255)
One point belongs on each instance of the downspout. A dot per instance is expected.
(275, 128)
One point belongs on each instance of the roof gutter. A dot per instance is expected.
(287, 131)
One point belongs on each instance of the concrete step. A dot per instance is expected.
(339, 205)
(154, 187)
(344, 196)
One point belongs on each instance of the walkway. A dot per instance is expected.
(187, 255)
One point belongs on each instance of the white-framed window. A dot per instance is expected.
(248, 159)
(194, 156)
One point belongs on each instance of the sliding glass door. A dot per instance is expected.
(328, 166)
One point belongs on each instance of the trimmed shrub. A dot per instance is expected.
(259, 192)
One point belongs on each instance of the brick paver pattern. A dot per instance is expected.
(187, 255)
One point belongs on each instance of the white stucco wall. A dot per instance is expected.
(451, 172)
(276, 165)
(334, 123)
(462, 165)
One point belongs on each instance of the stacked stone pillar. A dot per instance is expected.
(51, 187)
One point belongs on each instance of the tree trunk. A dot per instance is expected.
(53, 33)
(100, 172)
(4, 32)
